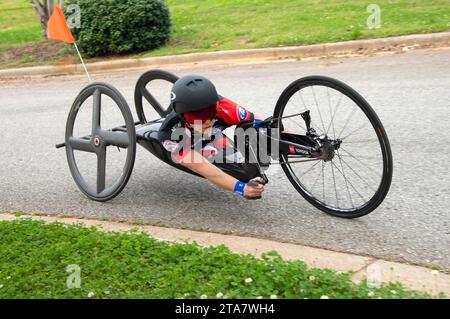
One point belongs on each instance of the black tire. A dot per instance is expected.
(387, 163)
(104, 139)
(141, 92)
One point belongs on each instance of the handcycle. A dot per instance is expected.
(331, 144)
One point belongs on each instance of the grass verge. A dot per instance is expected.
(34, 257)
(213, 25)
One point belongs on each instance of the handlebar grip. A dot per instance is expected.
(253, 184)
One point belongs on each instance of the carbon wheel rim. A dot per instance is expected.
(143, 93)
(99, 140)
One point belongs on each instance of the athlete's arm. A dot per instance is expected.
(198, 164)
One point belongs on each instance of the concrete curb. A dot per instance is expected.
(375, 270)
(243, 56)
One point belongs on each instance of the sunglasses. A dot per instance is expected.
(202, 115)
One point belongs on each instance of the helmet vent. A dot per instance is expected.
(193, 83)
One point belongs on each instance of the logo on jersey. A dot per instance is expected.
(242, 113)
(176, 127)
(172, 96)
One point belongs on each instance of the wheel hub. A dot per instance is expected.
(328, 148)
(325, 147)
(327, 151)
(97, 141)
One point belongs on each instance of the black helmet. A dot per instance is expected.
(193, 93)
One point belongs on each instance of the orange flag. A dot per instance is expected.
(57, 27)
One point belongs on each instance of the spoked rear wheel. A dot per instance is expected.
(97, 139)
(143, 93)
(354, 177)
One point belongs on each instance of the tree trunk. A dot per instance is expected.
(44, 8)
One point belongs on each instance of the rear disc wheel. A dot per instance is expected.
(98, 140)
(143, 93)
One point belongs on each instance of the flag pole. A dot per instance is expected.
(58, 29)
(82, 62)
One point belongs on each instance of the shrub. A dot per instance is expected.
(121, 26)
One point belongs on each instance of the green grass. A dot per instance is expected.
(19, 24)
(34, 257)
(211, 25)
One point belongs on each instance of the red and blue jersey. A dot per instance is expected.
(231, 113)
(228, 113)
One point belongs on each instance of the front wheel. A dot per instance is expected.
(355, 175)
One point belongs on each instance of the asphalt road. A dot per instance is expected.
(410, 92)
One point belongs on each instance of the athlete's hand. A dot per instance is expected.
(254, 188)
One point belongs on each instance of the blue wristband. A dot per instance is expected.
(257, 123)
(239, 188)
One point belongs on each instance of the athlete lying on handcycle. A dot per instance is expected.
(199, 110)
